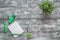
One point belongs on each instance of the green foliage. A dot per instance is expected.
(28, 35)
(47, 7)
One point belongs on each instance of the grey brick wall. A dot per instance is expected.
(30, 16)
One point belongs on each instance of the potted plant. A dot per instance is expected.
(47, 7)
(28, 35)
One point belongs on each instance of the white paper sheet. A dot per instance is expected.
(15, 28)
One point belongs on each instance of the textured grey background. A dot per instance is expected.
(30, 17)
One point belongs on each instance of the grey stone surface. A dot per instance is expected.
(30, 17)
(41, 38)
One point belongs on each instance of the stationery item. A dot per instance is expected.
(15, 28)
(5, 29)
(11, 19)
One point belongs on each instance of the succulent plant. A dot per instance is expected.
(28, 35)
(47, 7)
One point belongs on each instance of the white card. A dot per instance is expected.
(15, 28)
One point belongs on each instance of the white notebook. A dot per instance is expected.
(15, 28)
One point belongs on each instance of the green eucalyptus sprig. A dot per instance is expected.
(47, 7)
